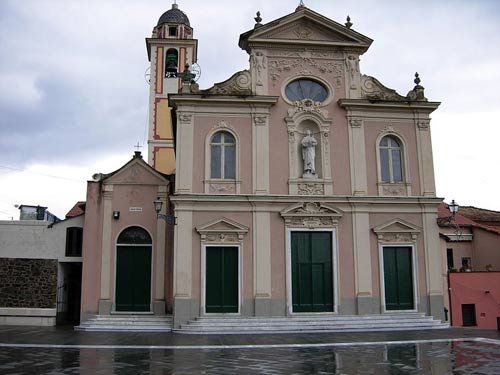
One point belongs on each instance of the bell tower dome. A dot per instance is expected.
(170, 48)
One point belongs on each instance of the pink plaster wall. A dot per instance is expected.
(470, 288)
(486, 250)
(346, 257)
(92, 239)
(278, 257)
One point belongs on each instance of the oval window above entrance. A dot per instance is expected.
(304, 88)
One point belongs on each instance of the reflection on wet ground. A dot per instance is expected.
(441, 357)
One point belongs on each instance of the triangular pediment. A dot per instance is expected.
(136, 171)
(222, 225)
(305, 27)
(397, 226)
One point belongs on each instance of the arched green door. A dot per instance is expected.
(133, 270)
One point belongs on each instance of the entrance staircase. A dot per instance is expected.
(127, 323)
(310, 324)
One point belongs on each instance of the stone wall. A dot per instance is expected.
(28, 283)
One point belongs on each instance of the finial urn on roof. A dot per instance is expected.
(301, 6)
(417, 94)
(348, 24)
(258, 20)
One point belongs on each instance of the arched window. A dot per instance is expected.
(171, 63)
(134, 236)
(223, 156)
(391, 159)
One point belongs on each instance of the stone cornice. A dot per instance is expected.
(224, 100)
(289, 199)
(380, 105)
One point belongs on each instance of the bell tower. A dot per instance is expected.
(170, 48)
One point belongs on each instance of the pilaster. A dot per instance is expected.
(184, 160)
(260, 153)
(357, 156)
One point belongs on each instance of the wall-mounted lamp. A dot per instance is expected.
(116, 215)
(170, 219)
(453, 207)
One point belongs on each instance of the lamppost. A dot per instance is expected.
(158, 204)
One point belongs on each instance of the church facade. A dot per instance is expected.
(301, 185)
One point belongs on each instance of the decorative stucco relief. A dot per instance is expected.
(260, 120)
(222, 188)
(424, 124)
(305, 63)
(311, 215)
(221, 237)
(311, 189)
(372, 89)
(185, 117)
(394, 190)
(307, 105)
(240, 83)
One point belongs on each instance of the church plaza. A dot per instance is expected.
(50, 350)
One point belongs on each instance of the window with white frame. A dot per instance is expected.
(223, 156)
(391, 159)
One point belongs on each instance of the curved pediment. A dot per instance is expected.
(311, 215)
(239, 83)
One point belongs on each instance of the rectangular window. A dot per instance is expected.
(215, 164)
(74, 239)
(172, 31)
(384, 165)
(469, 315)
(449, 259)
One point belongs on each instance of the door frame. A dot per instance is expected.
(382, 278)
(203, 274)
(335, 276)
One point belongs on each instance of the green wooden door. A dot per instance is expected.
(221, 288)
(398, 278)
(133, 278)
(312, 275)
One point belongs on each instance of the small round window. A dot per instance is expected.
(301, 89)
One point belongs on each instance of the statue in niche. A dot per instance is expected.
(309, 154)
(259, 64)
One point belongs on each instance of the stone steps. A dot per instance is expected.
(309, 324)
(128, 323)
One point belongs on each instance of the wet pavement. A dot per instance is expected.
(37, 350)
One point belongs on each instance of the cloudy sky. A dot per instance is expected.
(73, 98)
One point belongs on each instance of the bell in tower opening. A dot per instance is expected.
(171, 63)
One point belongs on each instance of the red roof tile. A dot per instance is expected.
(77, 210)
